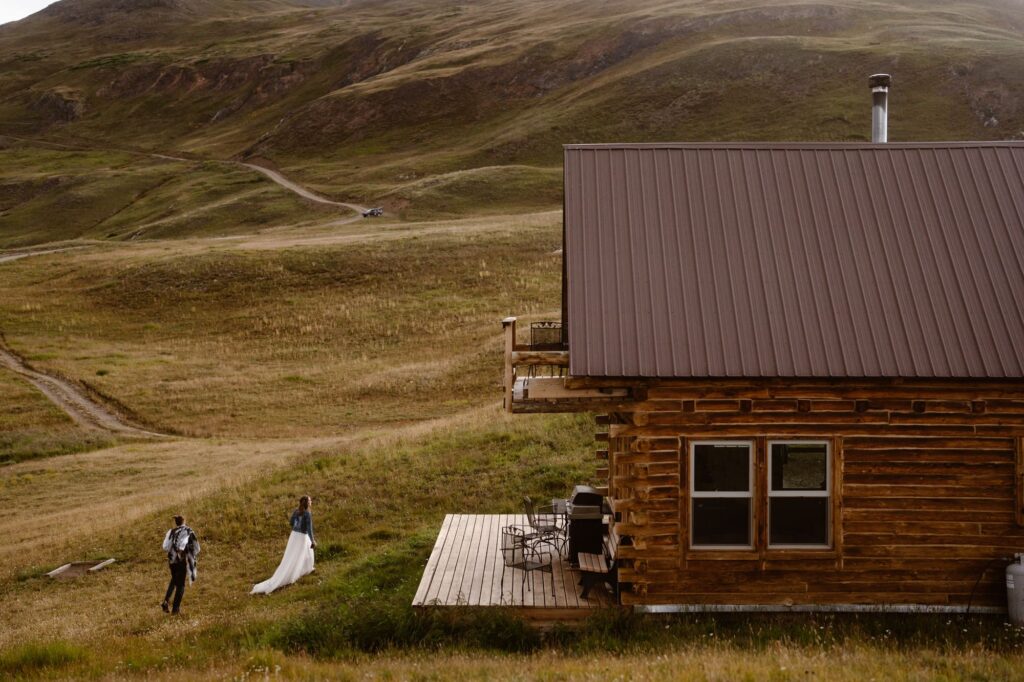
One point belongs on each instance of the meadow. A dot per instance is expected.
(378, 504)
(286, 335)
(32, 427)
(283, 348)
(360, 365)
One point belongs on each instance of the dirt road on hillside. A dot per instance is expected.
(73, 399)
(70, 398)
(302, 191)
(6, 257)
(274, 176)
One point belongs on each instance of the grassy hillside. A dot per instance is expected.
(50, 194)
(31, 427)
(439, 109)
(286, 350)
(360, 368)
(284, 336)
(378, 504)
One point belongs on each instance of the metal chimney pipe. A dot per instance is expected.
(880, 83)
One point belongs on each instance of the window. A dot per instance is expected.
(798, 494)
(721, 492)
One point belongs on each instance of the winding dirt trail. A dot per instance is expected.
(277, 178)
(302, 191)
(272, 175)
(73, 400)
(7, 257)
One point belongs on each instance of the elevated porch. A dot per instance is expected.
(537, 375)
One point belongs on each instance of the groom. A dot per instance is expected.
(182, 547)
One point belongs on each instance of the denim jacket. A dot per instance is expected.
(302, 522)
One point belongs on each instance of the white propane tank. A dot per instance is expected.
(1015, 590)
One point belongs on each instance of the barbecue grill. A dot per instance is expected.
(585, 511)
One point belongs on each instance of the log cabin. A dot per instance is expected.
(807, 362)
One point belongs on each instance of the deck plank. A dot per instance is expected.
(451, 559)
(491, 556)
(455, 595)
(508, 584)
(474, 570)
(564, 594)
(457, 592)
(498, 580)
(486, 563)
(471, 578)
(507, 592)
(442, 562)
(431, 568)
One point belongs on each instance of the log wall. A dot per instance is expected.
(927, 490)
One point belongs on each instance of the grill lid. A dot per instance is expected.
(576, 512)
(586, 495)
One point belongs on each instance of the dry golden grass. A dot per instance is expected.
(691, 663)
(68, 508)
(359, 364)
(373, 491)
(288, 334)
(31, 426)
(157, 326)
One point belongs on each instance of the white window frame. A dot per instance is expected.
(733, 494)
(826, 493)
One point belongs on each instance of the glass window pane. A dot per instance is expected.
(799, 466)
(721, 521)
(721, 468)
(798, 521)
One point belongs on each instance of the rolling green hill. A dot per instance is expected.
(285, 347)
(436, 109)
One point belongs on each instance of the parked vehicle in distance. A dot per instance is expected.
(373, 212)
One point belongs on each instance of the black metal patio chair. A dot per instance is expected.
(547, 526)
(518, 553)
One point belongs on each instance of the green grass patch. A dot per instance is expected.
(50, 195)
(31, 659)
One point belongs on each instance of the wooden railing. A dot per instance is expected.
(545, 379)
(517, 354)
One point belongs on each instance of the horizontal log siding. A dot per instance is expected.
(928, 487)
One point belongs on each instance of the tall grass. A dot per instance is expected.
(296, 342)
(31, 427)
(37, 658)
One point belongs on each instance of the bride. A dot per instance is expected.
(298, 555)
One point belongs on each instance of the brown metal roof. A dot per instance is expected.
(795, 260)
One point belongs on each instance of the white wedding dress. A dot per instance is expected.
(297, 562)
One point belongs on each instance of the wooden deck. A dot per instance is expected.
(466, 569)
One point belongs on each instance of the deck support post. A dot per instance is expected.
(509, 326)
